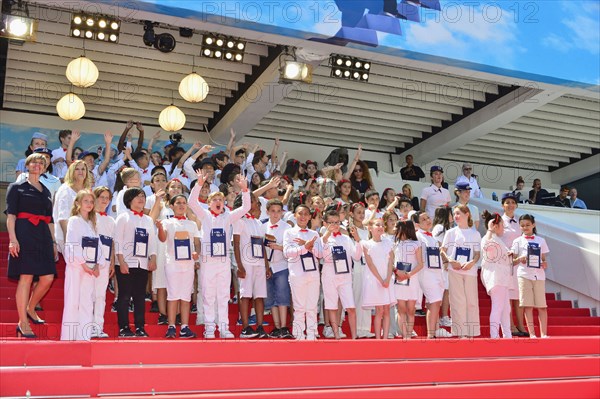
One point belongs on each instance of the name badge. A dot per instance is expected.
(140, 243)
(270, 239)
(183, 246)
(433, 258)
(106, 246)
(257, 247)
(463, 254)
(89, 245)
(340, 261)
(308, 262)
(403, 267)
(534, 253)
(217, 243)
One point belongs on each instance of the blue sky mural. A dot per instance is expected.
(550, 41)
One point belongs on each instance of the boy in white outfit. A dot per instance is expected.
(215, 273)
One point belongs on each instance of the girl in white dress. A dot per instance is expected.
(376, 283)
(407, 251)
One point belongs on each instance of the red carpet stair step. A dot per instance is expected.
(551, 368)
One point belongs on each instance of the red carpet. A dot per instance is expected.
(566, 365)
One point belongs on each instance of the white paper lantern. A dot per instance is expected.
(171, 119)
(82, 72)
(193, 88)
(70, 107)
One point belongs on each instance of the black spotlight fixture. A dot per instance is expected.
(223, 47)
(163, 42)
(186, 32)
(149, 36)
(350, 68)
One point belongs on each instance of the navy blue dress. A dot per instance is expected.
(36, 255)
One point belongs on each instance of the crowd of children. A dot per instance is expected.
(290, 238)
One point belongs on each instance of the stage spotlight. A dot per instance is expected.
(186, 32)
(165, 42)
(16, 24)
(95, 27)
(223, 47)
(349, 68)
(149, 36)
(294, 71)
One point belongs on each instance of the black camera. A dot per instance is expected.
(176, 138)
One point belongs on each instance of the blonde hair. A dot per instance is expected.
(128, 173)
(34, 156)
(372, 223)
(70, 176)
(214, 195)
(409, 189)
(76, 209)
(465, 209)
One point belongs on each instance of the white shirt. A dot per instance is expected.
(172, 226)
(435, 198)
(246, 228)
(145, 174)
(512, 230)
(74, 253)
(472, 182)
(125, 229)
(353, 252)
(496, 265)
(519, 248)
(63, 202)
(59, 169)
(464, 238)
(278, 261)
(105, 225)
(210, 222)
(293, 251)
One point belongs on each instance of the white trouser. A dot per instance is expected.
(500, 313)
(305, 295)
(215, 280)
(363, 316)
(100, 284)
(464, 305)
(79, 304)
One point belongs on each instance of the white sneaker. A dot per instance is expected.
(226, 334)
(209, 334)
(414, 334)
(328, 332)
(441, 333)
(545, 336)
(101, 334)
(532, 336)
(445, 322)
(342, 335)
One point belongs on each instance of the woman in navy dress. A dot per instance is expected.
(31, 249)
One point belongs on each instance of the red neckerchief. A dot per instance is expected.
(140, 214)
(274, 226)
(102, 213)
(428, 233)
(337, 234)
(249, 216)
(180, 217)
(529, 237)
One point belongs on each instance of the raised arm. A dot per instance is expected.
(123, 138)
(152, 140)
(140, 130)
(353, 164)
(108, 136)
(75, 135)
